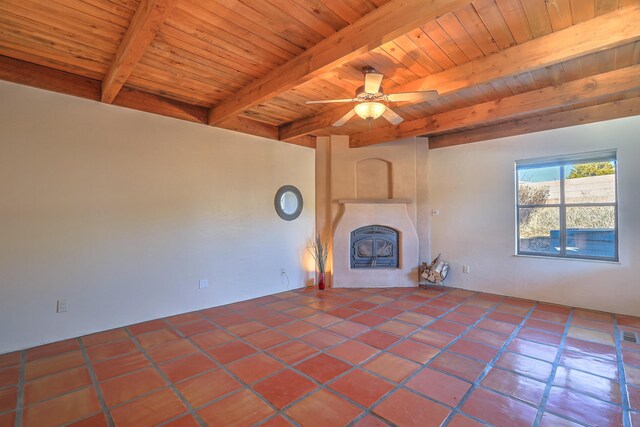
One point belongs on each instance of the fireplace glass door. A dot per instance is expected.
(374, 246)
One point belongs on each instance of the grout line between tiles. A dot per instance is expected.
(554, 369)
(96, 384)
(170, 383)
(626, 415)
(489, 366)
(21, 381)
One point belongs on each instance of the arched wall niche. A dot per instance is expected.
(374, 179)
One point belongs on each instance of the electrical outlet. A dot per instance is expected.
(203, 283)
(435, 212)
(465, 269)
(63, 306)
(282, 271)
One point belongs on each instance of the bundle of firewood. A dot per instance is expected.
(436, 272)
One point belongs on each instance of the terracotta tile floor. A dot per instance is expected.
(361, 357)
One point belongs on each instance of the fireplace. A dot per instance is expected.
(367, 253)
(374, 246)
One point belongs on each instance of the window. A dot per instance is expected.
(567, 206)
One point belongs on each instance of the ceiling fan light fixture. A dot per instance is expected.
(370, 110)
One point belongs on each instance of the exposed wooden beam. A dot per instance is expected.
(144, 26)
(382, 25)
(26, 73)
(304, 141)
(510, 108)
(604, 32)
(29, 74)
(253, 127)
(596, 113)
(302, 127)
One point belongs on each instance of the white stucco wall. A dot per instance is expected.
(122, 212)
(473, 187)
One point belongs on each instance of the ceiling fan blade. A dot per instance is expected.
(330, 101)
(372, 82)
(392, 116)
(425, 95)
(344, 119)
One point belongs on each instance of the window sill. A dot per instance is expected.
(602, 261)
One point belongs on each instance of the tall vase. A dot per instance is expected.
(321, 281)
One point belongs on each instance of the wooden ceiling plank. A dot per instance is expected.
(516, 20)
(94, 12)
(431, 49)
(417, 54)
(285, 15)
(602, 33)
(162, 86)
(582, 10)
(22, 48)
(185, 53)
(606, 60)
(624, 55)
(301, 14)
(79, 44)
(471, 21)
(323, 11)
(36, 57)
(606, 6)
(571, 70)
(346, 11)
(454, 29)
(501, 87)
(270, 22)
(588, 65)
(126, 9)
(521, 83)
(440, 37)
(252, 49)
(63, 18)
(495, 23)
(607, 111)
(510, 108)
(166, 84)
(560, 14)
(177, 72)
(144, 26)
(373, 30)
(207, 49)
(393, 72)
(536, 11)
(393, 50)
(236, 23)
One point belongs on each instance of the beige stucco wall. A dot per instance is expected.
(122, 212)
(473, 188)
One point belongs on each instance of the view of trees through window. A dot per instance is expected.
(568, 209)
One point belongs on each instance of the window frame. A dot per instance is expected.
(561, 162)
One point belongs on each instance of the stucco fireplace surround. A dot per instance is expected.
(390, 213)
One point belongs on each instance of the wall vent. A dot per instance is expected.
(629, 336)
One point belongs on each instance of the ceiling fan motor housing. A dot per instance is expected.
(362, 95)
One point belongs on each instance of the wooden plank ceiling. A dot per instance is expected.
(501, 67)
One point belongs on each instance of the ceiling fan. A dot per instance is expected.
(370, 98)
